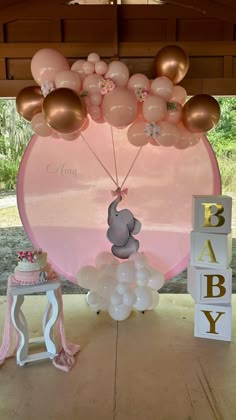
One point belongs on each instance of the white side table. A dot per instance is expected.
(49, 319)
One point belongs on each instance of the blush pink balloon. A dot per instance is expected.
(95, 112)
(85, 124)
(96, 98)
(118, 72)
(87, 100)
(91, 83)
(187, 138)
(101, 67)
(138, 80)
(120, 107)
(163, 87)
(93, 58)
(77, 66)
(68, 79)
(88, 68)
(154, 108)
(39, 125)
(136, 134)
(179, 95)
(169, 134)
(154, 142)
(46, 63)
(174, 113)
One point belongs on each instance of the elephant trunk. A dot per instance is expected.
(112, 209)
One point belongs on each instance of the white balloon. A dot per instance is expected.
(93, 57)
(139, 259)
(144, 298)
(108, 270)
(143, 274)
(122, 288)
(105, 258)
(87, 277)
(129, 298)
(92, 298)
(116, 298)
(119, 312)
(156, 281)
(155, 300)
(126, 272)
(106, 287)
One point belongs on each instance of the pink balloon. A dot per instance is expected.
(119, 107)
(136, 134)
(88, 68)
(118, 72)
(63, 197)
(85, 124)
(163, 87)
(95, 112)
(87, 100)
(71, 137)
(187, 138)
(96, 98)
(154, 109)
(154, 142)
(46, 63)
(179, 95)
(101, 67)
(78, 67)
(138, 80)
(68, 79)
(91, 82)
(39, 125)
(174, 112)
(169, 134)
(93, 58)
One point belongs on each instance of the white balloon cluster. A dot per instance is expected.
(120, 287)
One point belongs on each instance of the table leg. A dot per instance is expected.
(20, 324)
(49, 323)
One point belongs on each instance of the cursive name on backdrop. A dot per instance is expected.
(62, 169)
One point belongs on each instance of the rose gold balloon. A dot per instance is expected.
(29, 102)
(201, 113)
(64, 110)
(172, 62)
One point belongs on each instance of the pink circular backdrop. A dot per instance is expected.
(64, 193)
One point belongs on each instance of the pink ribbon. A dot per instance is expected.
(119, 193)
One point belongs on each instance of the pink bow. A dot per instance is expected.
(119, 193)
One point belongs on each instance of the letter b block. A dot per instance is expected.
(211, 250)
(213, 321)
(210, 286)
(212, 214)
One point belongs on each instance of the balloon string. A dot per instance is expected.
(131, 167)
(99, 160)
(114, 156)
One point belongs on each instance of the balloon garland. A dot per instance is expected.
(155, 110)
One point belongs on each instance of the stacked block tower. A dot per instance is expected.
(209, 272)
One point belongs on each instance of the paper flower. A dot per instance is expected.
(141, 94)
(106, 85)
(47, 87)
(152, 130)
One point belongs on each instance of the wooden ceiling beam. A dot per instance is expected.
(208, 8)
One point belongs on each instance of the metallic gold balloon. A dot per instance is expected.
(172, 62)
(201, 113)
(29, 102)
(64, 110)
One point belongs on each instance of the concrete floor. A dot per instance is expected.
(149, 367)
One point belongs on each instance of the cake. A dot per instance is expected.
(32, 268)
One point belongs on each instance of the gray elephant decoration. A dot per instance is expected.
(123, 226)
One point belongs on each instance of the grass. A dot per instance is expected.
(9, 217)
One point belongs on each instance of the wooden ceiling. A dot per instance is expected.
(129, 31)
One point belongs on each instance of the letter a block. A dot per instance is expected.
(211, 250)
(213, 321)
(212, 214)
(210, 286)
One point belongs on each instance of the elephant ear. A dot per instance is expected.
(137, 227)
(118, 234)
(127, 218)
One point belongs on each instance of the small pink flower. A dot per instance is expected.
(141, 94)
(106, 85)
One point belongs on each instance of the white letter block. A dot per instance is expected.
(210, 286)
(213, 321)
(212, 213)
(211, 250)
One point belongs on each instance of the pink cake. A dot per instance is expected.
(32, 268)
